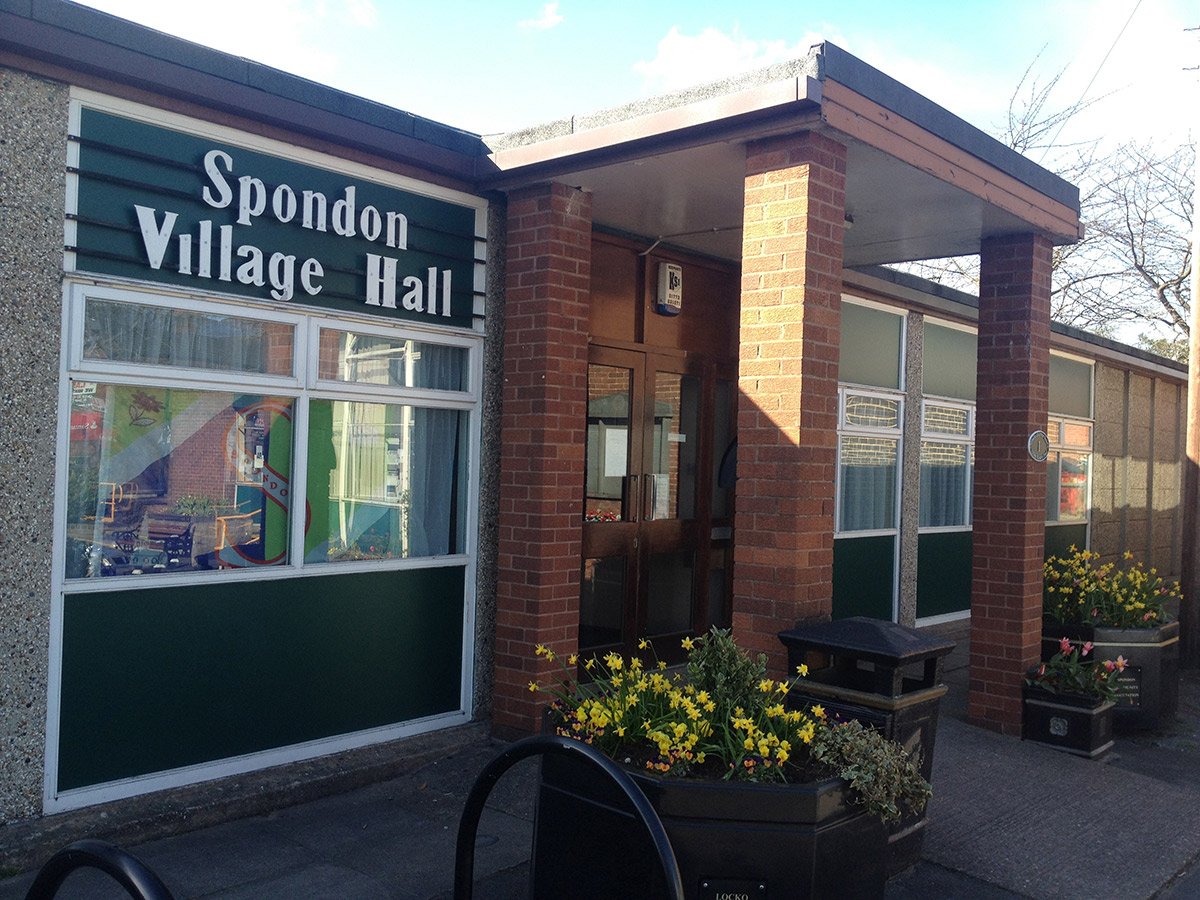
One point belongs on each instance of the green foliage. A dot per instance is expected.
(195, 505)
(1067, 673)
(726, 719)
(882, 773)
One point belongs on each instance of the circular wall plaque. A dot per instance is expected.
(1039, 446)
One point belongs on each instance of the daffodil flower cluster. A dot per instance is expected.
(634, 709)
(1080, 590)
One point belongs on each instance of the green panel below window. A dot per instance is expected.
(943, 573)
(863, 577)
(1060, 539)
(157, 679)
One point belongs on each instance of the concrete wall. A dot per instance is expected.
(1137, 471)
(33, 142)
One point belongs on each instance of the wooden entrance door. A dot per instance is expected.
(648, 500)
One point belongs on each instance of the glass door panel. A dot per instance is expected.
(672, 469)
(610, 405)
(602, 601)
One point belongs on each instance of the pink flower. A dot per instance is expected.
(1121, 663)
(1087, 647)
(1109, 665)
(1064, 645)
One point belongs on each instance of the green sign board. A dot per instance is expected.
(166, 206)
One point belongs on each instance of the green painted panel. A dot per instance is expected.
(870, 347)
(1060, 539)
(124, 164)
(863, 577)
(157, 679)
(949, 362)
(943, 573)
(1070, 387)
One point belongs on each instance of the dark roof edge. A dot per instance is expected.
(971, 304)
(66, 34)
(847, 69)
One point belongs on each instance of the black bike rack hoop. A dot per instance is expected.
(131, 873)
(542, 745)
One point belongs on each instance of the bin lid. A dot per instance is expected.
(870, 639)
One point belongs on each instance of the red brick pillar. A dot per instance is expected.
(1010, 487)
(787, 413)
(543, 426)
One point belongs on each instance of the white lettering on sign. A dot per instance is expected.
(196, 257)
(251, 198)
(420, 297)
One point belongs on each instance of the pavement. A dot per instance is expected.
(1008, 819)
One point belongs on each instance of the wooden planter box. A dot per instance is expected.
(1078, 725)
(776, 842)
(1148, 689)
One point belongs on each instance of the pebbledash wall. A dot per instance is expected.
(211, 322)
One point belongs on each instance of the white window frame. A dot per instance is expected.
(846, 430)
(941, 437)
(301, 385)
(1060, 447)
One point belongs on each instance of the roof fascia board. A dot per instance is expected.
(53, 35)
(846, 69)
(859, 117)
(759, 111)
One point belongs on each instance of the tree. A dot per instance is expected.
(1131, 270)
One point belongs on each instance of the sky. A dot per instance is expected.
(497, 66)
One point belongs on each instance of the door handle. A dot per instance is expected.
(631, 501)
(649, 489)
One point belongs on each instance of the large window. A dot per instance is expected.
(197, 433)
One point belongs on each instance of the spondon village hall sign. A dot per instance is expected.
(162, 205)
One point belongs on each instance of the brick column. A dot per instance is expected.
(787, 412)
(1010, 488)
(543, 426)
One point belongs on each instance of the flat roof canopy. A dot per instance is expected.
(921, 183)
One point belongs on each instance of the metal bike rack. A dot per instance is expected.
(540, 745)
(131, 873)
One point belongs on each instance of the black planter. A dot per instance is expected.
(1079, 725)
(730, 839)
(1148, 689)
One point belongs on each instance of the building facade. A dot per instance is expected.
(318, 415)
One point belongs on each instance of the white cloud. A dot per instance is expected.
(683, 60)
(547, 20)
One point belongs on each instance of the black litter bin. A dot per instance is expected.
(886, 676)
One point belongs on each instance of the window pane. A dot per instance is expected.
(160, 336)
(944, 482)
(1052, 487)
(601, 601)
(872, 412)
(1054, 431)
(609, 403)
(949, 362)
(868, 483)
(870, 346)
(669, 597)
(165, 480)
(673, 466)
(947, 420)
(1077, 434)
(724, 450)
(1073, 484)
(393, 362)
(1070, 387)
(385, 481)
